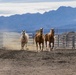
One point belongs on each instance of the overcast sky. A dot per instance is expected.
(34, 0)
(11, 7)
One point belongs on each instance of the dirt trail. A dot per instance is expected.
(57, 62)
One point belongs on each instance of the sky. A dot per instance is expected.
(12, 7)
(34, 0)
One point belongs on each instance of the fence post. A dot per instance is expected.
(33, 38)
(58, 40)
(73, 42)
(66, 39)
(63, 42)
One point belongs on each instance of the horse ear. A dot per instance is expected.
(41, 28)
(52, 29)
(23, 30)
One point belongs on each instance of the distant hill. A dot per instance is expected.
(63, 17)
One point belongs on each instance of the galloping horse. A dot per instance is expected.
(49, 37)
(24, 39)
(39, 39)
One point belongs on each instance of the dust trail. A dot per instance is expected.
(11, 40)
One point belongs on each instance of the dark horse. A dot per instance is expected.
(39, 39)
(49, 37)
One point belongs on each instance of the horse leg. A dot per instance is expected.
(50, 46)
(21, 46)
(40, 45)
(37, 46)
(46, 44)
(25, 46)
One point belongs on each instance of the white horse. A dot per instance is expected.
(24, 39)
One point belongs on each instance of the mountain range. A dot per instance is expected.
(64, 17)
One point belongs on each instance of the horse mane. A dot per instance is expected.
(52, 32)
(39, 32)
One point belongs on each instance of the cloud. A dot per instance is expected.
(8, 1)
(7, 9)
(5, 12)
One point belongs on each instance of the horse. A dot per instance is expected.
(39, 39)
(24, 39)
(49, 37)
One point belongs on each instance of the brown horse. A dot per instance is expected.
(24, 39)
(50, 38)
(39, 39)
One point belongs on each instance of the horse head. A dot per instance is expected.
(41, 31)
(52, 31)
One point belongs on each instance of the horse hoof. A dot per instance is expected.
(21, 49)
(41, 51)
(27, 48)
(46, 48)
(50, 49)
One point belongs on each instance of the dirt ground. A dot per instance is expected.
(24, 62)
